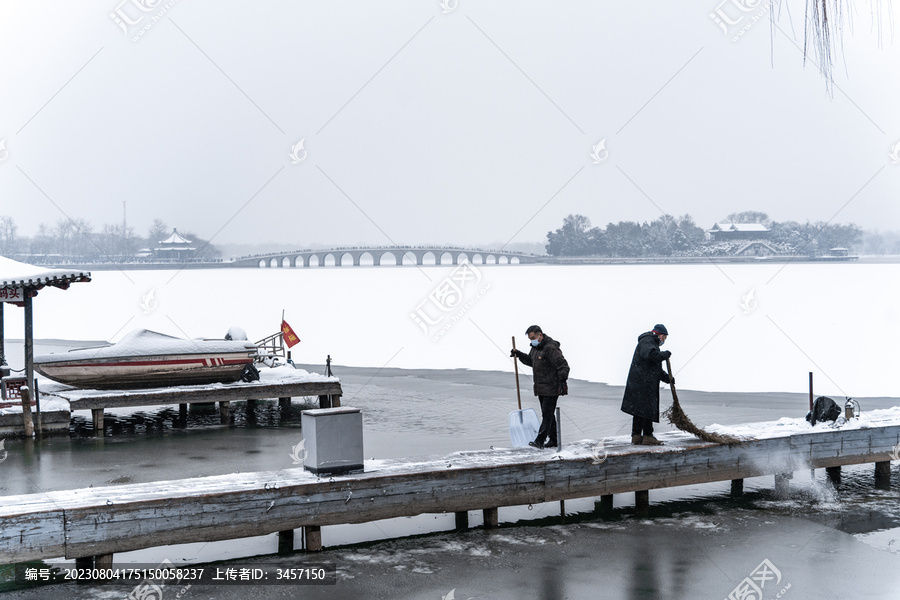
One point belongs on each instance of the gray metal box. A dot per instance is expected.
(333, 439)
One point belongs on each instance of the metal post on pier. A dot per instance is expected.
(329, 401)
(810, 391)
(812, 472)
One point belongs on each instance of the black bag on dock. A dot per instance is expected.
(249, 374)
(824, 409)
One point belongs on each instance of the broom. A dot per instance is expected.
(680, 420)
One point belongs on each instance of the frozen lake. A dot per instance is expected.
(728, 347)
(734, 327)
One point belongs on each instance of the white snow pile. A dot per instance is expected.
(792, 426)
(143, 342)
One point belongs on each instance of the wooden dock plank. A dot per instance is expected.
(102, 521)
(32, 535)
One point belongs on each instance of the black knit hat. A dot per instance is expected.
(660, 328)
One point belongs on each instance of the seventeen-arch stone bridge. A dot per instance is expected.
(382, 255)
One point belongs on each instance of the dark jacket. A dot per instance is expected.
(548, 365)
(642, 388)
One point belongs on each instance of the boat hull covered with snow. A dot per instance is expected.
(145, 359)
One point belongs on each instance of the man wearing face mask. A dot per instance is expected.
(642, 388)
(551, 372)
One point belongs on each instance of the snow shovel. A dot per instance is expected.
(523, 424)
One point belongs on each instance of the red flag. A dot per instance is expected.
(290, 338)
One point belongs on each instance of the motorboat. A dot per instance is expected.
(145, 358)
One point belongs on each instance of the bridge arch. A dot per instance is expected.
(366, 259)
(429, 257)
(262, 264)
(313, 260)
(503, 260)
(389, 256)
(446, 258)
(409, 258)
(328, 260)
(514, 260)
(461, 257)
(490, 259)
(345, 259)
(477, 259)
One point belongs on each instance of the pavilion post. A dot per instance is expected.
(29, 338)
(2, 337)
(29, 346)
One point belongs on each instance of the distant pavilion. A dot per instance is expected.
(175, 248)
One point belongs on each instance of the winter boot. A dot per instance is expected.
(649, 440)
(637, 440)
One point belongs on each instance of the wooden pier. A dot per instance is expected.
(93, 524)
(328, 392)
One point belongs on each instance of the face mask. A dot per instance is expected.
(535, 343)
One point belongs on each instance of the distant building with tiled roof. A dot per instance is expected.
(726, 232)
(175, 247)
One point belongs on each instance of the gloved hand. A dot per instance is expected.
(563, 389)
(665, 354)
(514, 353)
(672, 379)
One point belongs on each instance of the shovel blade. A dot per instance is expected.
(523, 427)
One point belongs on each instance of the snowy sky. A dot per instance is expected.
(471, 123)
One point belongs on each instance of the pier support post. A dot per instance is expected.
(883, 475)
(223, 412)
(97, 414)
(284, 403)
(182, 413)
(26, 412)
(737, 488)
(462, 520)
(85, 562)
(286, 541)
(562, 511)
(834, 474)
(783, 484)
(491, 518)
(103, 561)
(333, 401)
(605, 506)
(642, 502)
(313, 536)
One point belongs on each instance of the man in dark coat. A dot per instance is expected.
(642, 388)
(551, 372)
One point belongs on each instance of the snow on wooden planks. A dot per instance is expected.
(102, 521)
